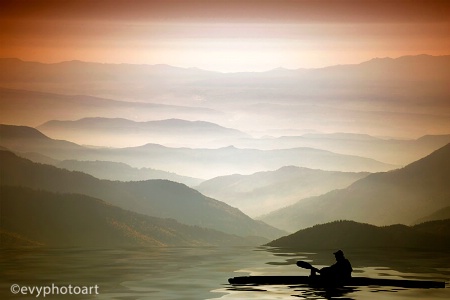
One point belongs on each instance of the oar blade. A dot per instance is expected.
(304, 264)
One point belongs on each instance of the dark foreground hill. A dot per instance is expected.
(434, 235)
(400, 196)
(157, 198)
(40, 218)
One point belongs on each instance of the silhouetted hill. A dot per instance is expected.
(158, 198)
(39, 218)
(120, 171)
(204, 163)
(400, 196)
(437, 227)
(349, 234)
(263, 192)
(122, 132)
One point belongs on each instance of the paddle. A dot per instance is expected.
(304, 265)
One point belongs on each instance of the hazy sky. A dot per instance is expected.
(243, 35)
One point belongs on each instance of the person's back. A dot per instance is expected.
(338, 273)
(342, 269)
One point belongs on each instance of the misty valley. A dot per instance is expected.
(164, 181)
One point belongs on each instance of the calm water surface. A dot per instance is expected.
(202, 273)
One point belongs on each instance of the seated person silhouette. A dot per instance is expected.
(338, 273)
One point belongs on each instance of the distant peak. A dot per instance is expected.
(401, 58)
(231, 147)
(280, 69)
(11, 59)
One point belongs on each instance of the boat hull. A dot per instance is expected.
(316, 281)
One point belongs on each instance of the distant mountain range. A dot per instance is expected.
(157, 198)
(153, 113)
(27, 139)
(152, 81)
(30, 143)
(440, 214)
(388, 150)
(39, 218)
(363, 98)
(263, 192)
(400, 196)
(433, 235)
(204, 163)
(208, 163)
(122, 132)
(33, 108)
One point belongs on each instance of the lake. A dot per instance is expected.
(202, 273)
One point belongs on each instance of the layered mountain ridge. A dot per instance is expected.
(157, 198)
(399, 196)
(37, 218)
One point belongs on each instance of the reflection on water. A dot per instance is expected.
(288, 292)
(202, 273)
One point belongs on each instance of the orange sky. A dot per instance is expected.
(245, 35)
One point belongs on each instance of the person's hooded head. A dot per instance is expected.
(339, 254)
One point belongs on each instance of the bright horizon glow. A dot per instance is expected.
(221, 36)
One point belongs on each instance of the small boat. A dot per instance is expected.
(316, 281)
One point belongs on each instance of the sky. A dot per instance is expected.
(223, 35)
